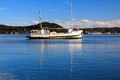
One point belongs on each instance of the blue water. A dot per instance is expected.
(94, 57)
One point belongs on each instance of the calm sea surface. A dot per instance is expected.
(94, 57)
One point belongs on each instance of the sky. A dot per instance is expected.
(86, 13)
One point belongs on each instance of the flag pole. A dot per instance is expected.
(40, 20)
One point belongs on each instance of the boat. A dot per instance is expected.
(44, 32)
(95, 33)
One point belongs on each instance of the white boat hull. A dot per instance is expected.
(55, 36)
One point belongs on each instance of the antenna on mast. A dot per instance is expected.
(71, 14)
(40, 20)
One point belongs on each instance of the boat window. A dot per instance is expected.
(32, 31)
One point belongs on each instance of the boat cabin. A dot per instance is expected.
(40, 32)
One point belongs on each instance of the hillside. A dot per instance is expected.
(4, 29)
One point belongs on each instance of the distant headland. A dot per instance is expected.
(5, 29)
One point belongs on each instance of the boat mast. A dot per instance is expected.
(71, 14)
(40, 20)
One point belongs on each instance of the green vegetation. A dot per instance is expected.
(11, 30)
(52, 27)
(25, 29)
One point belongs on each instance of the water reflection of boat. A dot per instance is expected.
(72, 48)
(48, 46)
(55, 48)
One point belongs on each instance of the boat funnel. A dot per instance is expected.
(70, 30)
